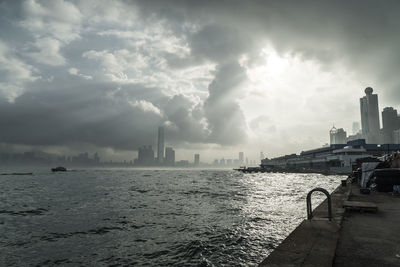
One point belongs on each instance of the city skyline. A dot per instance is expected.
(147, 156)
(78, 76)
(371, 130)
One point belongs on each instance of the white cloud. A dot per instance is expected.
(53, 24)
(49, 52)
(150, 69)
(58, 19)
(104, 12)
(75, 72)
(145, 106)
(14, 73)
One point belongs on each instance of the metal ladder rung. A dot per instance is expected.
(309, 208)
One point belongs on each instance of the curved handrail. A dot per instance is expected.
(309, 208)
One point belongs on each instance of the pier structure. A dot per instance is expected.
(332, 159)
(364, 231)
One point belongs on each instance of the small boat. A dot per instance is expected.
(59, 169)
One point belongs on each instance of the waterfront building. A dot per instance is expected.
(337, 158)
(370, 116)
(196, 159)
(396, 136)
(354, 137)
(160, 145)
(169, 156)
(356, 127)
(182, 163)
(96, 158)
(337, 136)
(241, 158)
(81, 158)
(145, 156)
(389, 124)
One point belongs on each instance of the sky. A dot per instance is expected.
(220, 76)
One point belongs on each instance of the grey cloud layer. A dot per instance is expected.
(108, 73)
(360, 34)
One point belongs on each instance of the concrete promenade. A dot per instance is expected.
(356, 236)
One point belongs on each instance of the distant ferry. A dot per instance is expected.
(59, 169)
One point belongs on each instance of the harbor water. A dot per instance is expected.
(184, 217)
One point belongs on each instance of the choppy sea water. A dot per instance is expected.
(150, 217)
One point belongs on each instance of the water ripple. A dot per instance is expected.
(150, 217)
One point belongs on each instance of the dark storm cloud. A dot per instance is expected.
(362, 35)
(39, 46)
(102, 114)
(226, 120)
(87, 114)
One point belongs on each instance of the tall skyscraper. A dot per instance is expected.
(389, 124)
(241, 157)
(160, 145)
(169, 156)
(196, 159)
(370, 116)
(332, 135)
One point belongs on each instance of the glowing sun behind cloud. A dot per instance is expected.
(282, 88)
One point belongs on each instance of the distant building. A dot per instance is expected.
(390, 123)
(96, 158)
(229, 162)
(182, 163)
(81, 158)
(241, 157)
(222, 162)
(396, 136)
(262, 155)
(160, 145)
(337, 158)
(370, 116)
(337, 136)
(169, 156)
(354, 137)
(196, 159)
(145, 156)
(356, 127)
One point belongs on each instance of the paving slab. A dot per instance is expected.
(370, 239)
(355, 237)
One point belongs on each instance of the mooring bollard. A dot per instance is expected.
(309, 208)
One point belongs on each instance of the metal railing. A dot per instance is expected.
(309, 208)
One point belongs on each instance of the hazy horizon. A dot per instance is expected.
(221, 77)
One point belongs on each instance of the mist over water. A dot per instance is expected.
(150, 217)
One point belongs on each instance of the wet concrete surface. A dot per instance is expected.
(355, 237)
(367, 238)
